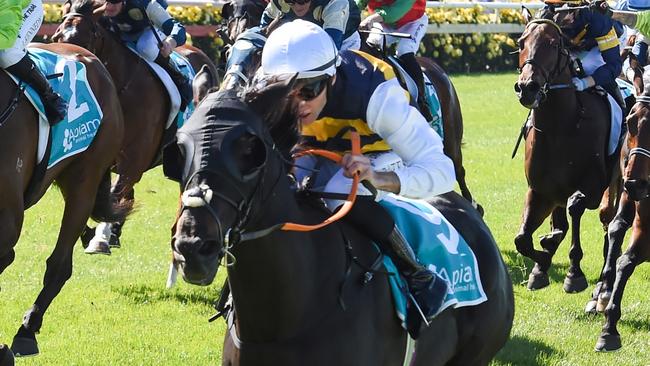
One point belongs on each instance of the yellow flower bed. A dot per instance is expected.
(456, 52)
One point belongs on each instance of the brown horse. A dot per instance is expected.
(566, 163)
(299, 296)
(634, 210)
(84, 180)
(144, 99)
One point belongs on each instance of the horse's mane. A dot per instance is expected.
(270, 100)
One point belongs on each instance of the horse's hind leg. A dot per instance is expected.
(575, 280)
(536, 209)
(637, 253)
(11, 221)
(613, 242)
(79, 196)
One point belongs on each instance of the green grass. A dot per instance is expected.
(115, 310)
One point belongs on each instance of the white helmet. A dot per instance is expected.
(300, 47)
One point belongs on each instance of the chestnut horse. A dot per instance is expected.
(566, 163)
(299, 296)
(144, 99)
(84, 180)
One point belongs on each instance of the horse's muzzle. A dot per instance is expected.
(637, 189)
(529, 93)
(196, 259)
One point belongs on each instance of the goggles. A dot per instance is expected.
(312, 89)
(114, 1)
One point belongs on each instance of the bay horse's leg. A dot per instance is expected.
(614, 241)
(79, 191)
(575, 280)
(11, 222)
(637, 253)
(536, 209)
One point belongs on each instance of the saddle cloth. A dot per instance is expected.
(438, 246)
(76, 131)
(183, 64)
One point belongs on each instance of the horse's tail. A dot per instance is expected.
(108, 207)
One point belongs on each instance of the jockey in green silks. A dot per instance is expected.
(19, 23)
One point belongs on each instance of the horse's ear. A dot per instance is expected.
(226, 11)
(268, 96)
(528, 16)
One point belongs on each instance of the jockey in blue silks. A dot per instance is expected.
(339, 18)
(19, 22)
(597, 47)
(401, 153)
(136, 21)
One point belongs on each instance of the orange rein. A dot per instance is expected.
(347, 206)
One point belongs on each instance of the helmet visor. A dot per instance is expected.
(311, 88)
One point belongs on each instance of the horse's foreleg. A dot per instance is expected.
(11, 222)
(79, 198)
(536, 209)
(613, 242)
(575, 280)
(637, 253)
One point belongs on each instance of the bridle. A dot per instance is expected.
(645, 100)
(201, 195)
(562, 62)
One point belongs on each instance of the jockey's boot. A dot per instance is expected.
(428, 289)
(182, 83)
(411, 65)
(55, 107)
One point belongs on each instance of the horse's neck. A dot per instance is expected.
(119, 61)
(559, 108)
(279, 282)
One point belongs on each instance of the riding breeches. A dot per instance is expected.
(146, 43)
(417, 29)
(32, 20)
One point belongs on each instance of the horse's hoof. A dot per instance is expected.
(538, 280)
(603, 301)
(608, 343)
(114, 241)
(591, 307)
(23, 347)
(6, 356)
(98, 246)
(574, 285)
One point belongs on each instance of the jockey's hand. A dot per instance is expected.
(167, 47)
(357, 164)
(371, 19)
(601, 6)
(584, 83)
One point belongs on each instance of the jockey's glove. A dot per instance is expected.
(584, 83)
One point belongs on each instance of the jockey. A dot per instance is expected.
(402, 154)
(339, 18)
(595, 38)
(404, 16)
(19, 22)
(136, 21)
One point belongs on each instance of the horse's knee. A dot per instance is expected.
(524, 244)
(576, 204)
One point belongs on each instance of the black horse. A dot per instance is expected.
(299, 296)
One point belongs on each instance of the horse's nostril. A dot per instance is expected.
(517, 88)
(532, 87)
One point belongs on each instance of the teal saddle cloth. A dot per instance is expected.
(439, 247)
(76, 132)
